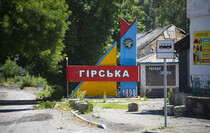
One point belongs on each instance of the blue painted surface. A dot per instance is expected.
(128, 89)
(128, 57)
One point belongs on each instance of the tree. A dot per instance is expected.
(172, 12)
(95, 25)
(150, 9)
(34, 31)
(164, 12)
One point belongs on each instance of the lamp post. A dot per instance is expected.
(67, 84)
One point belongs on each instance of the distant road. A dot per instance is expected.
(17, 115)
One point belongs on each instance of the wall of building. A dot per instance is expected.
(157, 90)
(198, 11)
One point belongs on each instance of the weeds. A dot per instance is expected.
(145, 98)
(45, 104)
(64, 106)
(163, 128)
(105, 98)
(170, 96)
(81, 95)
(85, 107)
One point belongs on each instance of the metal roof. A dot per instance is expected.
(145, 38)
(151, 59)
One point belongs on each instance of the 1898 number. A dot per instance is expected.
(129, 92)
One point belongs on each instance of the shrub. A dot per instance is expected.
(85, 107)
(10, 69)
(46, 94)
(2, 79)
(31, 81)
(46, 104)
(57, 92)
(10, 81)
(170, 96)
(53, 93)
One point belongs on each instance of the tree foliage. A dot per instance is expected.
(164, 12)
(172, 12)
(33, 30)
(10, 69)
(95, 25)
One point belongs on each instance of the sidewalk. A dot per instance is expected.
(149, 117)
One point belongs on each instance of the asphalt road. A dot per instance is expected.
(17, 115)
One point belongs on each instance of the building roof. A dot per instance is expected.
(182, 44)
(145, 38)
(151, 59)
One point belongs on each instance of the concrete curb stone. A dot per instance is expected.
(155, 132)
(89, 122)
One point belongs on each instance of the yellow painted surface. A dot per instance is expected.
(94, 88)
(110, 59)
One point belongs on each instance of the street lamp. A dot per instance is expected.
(67, 84)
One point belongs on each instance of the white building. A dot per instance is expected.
(198, 11)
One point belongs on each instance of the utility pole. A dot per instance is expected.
(67, 84)
(165, 91)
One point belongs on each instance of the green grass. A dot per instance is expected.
(163, 128)
(112, 105)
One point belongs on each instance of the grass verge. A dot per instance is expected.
(168, 129)
(111, 105)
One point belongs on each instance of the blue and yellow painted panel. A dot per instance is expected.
(97, 88)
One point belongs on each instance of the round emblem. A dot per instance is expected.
(128, 43)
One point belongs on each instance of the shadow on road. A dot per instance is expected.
(149, 112)
(160, 112)
(17, 102)
(13, 110)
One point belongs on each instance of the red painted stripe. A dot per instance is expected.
(102, 73)
(124, 26)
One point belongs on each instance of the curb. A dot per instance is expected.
(89, 122)
(155, 132)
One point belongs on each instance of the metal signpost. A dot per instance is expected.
(67, 84)
(165, 50)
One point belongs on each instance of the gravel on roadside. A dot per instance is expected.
(149, 117)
